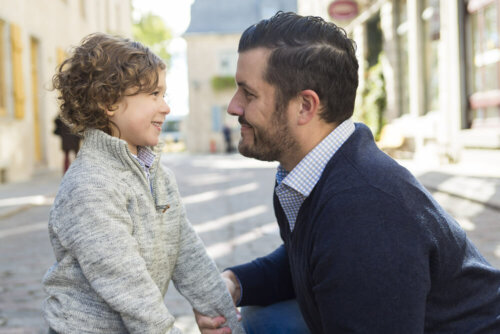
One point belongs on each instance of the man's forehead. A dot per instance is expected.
(255, 55)
(252, 65)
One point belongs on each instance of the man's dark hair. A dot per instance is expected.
(307, 53)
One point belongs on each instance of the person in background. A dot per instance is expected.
(117, 226)
(69, 141)
(366, 249)
(226, 132)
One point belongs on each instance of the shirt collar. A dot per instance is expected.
(145, 156)
(306, 174)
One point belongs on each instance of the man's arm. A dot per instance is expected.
(265, 280)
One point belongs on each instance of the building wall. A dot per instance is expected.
(35, 36)
(212, 43)
(207, 106)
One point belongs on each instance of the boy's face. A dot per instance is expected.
(140, 117)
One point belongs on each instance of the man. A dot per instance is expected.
(366, 249)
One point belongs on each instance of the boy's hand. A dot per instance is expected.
(209, 325)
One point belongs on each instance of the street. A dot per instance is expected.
(228, 199)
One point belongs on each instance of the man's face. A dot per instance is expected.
(265, 131)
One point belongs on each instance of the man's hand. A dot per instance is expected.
(209, 325)
(233, 285)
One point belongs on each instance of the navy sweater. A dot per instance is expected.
(373, 252)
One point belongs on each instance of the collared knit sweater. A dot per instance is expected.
(118, 244)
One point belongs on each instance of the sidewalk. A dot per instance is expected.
(476, 177)
(18, 196)
(229, 202)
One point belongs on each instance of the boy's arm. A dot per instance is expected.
(197, 278)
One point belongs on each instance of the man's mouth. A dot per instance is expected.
(243, 122)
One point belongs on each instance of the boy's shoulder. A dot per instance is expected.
(88, 174)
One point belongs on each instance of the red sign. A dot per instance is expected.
(343, 9)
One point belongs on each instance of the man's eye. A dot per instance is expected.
(248, 94)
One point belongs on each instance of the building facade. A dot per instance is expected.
(212, 43)
(35, 36)
(440, 64)
(429, 69)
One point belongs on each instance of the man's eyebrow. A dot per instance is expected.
(244, 85)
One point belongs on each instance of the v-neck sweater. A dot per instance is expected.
(373, 252)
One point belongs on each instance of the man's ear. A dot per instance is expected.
(309, 106)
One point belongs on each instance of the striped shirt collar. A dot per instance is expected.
(145, 157)
(295, 186)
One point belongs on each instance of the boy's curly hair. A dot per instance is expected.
(101, 71)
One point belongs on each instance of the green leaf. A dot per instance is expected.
(151, 30)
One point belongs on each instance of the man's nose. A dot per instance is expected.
(235, 108)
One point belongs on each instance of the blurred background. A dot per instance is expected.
(429, 90)
(430, 69)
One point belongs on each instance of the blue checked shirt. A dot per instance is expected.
(145, 158)
(295, 186)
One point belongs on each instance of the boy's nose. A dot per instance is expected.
(165, 108)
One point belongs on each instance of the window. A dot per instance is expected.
(60, 56)
(3, 97)
(227, 63)
(402, 39)
(17, 71)
(83, 10)
(484, 85)
(34, 57)
(431, 30)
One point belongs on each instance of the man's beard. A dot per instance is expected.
(272, 143)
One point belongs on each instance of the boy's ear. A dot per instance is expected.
(309, 106)
(109, 112)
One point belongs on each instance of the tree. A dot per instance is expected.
(151, 30)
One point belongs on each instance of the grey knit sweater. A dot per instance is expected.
(118, 244)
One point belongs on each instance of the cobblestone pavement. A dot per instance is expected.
(228, 200)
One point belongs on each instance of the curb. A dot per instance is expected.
(479, 190)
